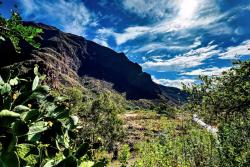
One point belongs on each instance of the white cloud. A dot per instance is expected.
(72, 16)
(202, 14)
(101, 41)
(164, 27)
(150, 8)
(130, 33)
(207, 71)
(190, 59)
(185, 15)
(234, 52)
(102, 36)
(196, 57)
(174, 83)
(148, 48)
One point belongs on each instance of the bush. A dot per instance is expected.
(124, 154)
(225, 100)
(100, 123)
(192, 147)
(36, 127)
(14, 30)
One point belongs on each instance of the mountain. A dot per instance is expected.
(69, 59)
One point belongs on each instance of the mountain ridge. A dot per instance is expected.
(66, 58)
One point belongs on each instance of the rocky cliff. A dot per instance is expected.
(68, 58)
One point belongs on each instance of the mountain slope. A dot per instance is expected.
(67, 58)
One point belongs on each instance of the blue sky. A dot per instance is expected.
(173, 40)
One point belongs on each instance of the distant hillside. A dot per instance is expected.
(67, 59)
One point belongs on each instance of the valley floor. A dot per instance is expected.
(146, 126)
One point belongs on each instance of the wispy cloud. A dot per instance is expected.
(190, 59)
(235, 52)
(176, 16)
(130, 33)
(188, 14)
(207, 71)
(156, 46)
(150, 8)
(101, 41)
(71, 16)
(174, 83)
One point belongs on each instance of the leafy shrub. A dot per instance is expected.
(14, 30)
(225, 100)
(100, 123)
(192, 147)
(37, 128)
(166, 110)
(124, 154)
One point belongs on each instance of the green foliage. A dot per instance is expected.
(14, 29)
(166, 110)
(223, 96)
(100, 123)
(124, 154)
(235, 142)
(225, 100)
(36, 127)
(191, 147)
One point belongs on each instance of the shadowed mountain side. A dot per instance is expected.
(66, 58)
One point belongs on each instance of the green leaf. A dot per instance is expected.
(21, 108)
(29, 153)
(11, 142)
(87, 164)
(30, 116)
(43, 88)
(34, 137)
(71, 122)
(82, 150)
(20, 128)
(70, 161)
(35, 83)
(50, 163)
(9, 159)
(36, 70)
(7, 113)
(1, 80)
(60, 113)
(37, 128)
(13, 81)
(6, 88)
(64, 140)
(43, 77)
(2, 38)
(39, 30)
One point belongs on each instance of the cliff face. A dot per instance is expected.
(66, 58)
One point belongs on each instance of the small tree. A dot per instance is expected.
(100, 122)
(225, 101)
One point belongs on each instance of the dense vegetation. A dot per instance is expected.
(74, 126)
(38, 127)
(223, 101)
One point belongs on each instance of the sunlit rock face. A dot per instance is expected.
(66, 59)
